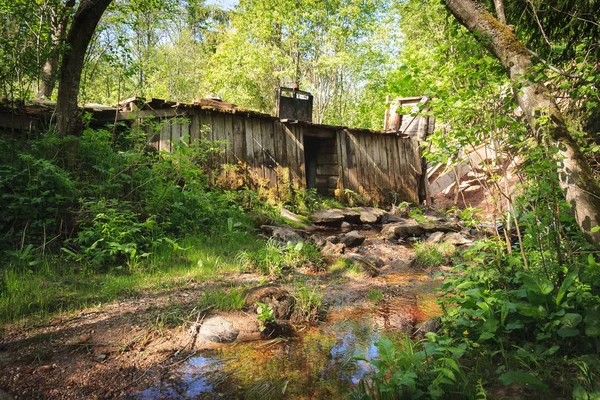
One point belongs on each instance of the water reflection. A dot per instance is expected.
(318, 364)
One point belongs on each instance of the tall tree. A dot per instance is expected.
(80, 34)
(540, 109)
(59, 18)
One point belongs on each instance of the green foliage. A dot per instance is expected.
(375, 295)
(275, 259)
(414, 371)
(231, 300)
(309, 300)
(265, 315)
(428, 255)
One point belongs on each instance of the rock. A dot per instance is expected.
(350, 215)
(435, 237)
(279, 300)
(351, 239)
(291, 216)
(363, 263)
(332, 249)
(367, 217)
(333, 239)
(370, 215)
(218, 330)
(101, 357)
(456, 239)
(331, 216)
(346, 226)
(283, 234)
(277, 329)
(402, 230)
(391, 218)
(440, 227)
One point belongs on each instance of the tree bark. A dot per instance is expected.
(59, 22)
(80, 34)
(499, 5)
(576, 178)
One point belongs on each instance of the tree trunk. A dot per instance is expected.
(499, 5)
(576, 178)
(59, 22)
(82, 30)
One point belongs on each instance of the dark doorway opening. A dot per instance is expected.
(321, 162)
(311, 156)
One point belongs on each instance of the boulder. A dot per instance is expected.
(402, 230)
(370, 215)
(331, 216)
(279, 300)
(456, 239)
(351, 239)
(435, 237)
(332, 249)
(282, 234)
(291, 216)
(440, 227)
(391, 218)
(368, 267)
(219, 330)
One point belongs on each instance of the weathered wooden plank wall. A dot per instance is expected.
(379, 167)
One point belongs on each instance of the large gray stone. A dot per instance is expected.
(456, 239)
(402, 230)
(435, 237)
(291, 216)
(333, 215)
(351, 239)
(218, 330)
(282, 234)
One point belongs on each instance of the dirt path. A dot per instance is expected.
(121, 349)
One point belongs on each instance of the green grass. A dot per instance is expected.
(58, 285)
(433, 254)
(375, 295)
(231, 300)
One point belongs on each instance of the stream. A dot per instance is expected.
(318, 361)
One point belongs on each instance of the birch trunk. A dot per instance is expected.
(576, 178)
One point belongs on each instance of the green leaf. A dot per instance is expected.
(567, 332)
(566, 285)
(592, 321)
(571, 320)
(387, 351)
(537, 284)
(509, 378)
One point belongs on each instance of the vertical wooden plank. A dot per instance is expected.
(230, 138)
(218, 134)
(278, 142)
(341, 162)
(249, 156)
(165, 136)
(195, 127)
(269, 152)
(299, 132)
(258, 155)
(239, 138)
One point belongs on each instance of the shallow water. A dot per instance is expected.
(316, 364)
